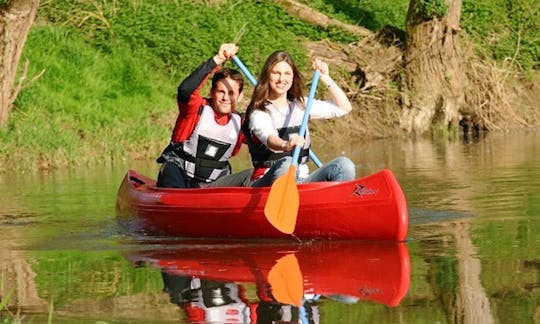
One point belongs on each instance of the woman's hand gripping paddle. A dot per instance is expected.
(282, 205)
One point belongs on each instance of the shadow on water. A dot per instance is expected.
(422, 216)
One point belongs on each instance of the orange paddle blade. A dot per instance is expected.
(286, 281)
(282, 204)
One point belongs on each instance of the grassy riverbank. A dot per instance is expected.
(110, 71)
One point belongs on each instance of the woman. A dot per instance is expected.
(274, 117)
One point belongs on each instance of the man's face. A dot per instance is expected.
(226, 95)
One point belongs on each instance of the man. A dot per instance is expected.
(208, 130)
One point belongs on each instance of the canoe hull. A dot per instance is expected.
(369, 208)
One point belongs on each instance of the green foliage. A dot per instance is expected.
(85, 95)
(174, 31)
(506, 30)
(112, 68)
(367, 13)
(66, 276)
(432, 8)
(425, 10)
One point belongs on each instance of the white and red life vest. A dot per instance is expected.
(210, 146)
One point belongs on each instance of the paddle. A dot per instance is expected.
(281, 207)
(286, 281)
(253, 81)
(245, 70)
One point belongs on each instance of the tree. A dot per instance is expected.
(16, 18)
(434, 77)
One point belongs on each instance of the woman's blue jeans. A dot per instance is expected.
(339, 169)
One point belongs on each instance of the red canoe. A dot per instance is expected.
(377, 272)
(368, 208)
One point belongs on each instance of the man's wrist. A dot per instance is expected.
(219, 60)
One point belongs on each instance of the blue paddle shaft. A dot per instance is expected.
(245, 70)
(303, 126)
(315, 159)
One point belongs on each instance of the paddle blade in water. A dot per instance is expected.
(286, 281)
(281, 207)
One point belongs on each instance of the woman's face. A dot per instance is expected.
(281, 78)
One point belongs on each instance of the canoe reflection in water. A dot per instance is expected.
(214, 283)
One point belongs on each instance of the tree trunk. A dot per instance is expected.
(434, 78)
(16, 18)
(312, 16)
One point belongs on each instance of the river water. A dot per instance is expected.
(472, 253)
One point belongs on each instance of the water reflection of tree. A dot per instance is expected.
(472, 303)
(455, 278)
(17, 279)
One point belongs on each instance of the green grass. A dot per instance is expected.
(505, 30)
(111, 72)
(370, 14)
(86, 101)
(112, 68)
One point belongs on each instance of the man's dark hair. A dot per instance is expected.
(228, 73)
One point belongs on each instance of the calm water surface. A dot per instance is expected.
(472, 254)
